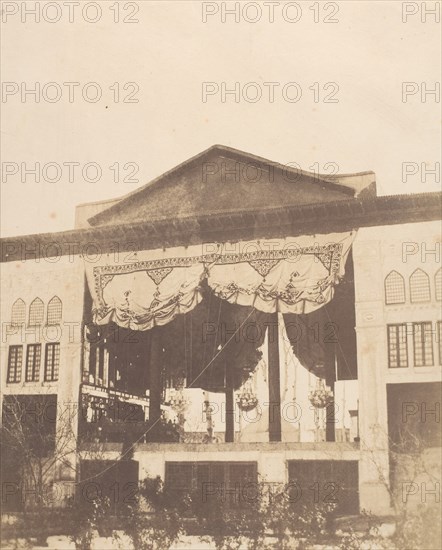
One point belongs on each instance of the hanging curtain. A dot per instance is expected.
(291, 275)
(202, 344)
(327, 333)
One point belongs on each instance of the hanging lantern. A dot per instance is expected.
(177, 401)
(247, 399)
(321, 396)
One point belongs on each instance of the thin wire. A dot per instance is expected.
(228, 341)
(217, 325)
(156, 422)
(130, 449)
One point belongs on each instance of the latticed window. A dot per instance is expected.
(438, 284)
(33, 359)
(54, 311)
(18, 316)
(15, 362)
(419, 286)
(397, 346)
(52, 362)
(423, 344)
(36, 312)
(394, 288)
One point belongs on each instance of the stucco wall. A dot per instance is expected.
(63, 277)
(376, 252)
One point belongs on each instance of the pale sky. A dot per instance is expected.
(171, 52)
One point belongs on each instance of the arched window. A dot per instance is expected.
(18, 316)
(54, 311)
(394, 288)
(36, 312)
(438, 284)
(419, 286)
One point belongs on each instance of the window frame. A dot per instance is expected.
(54, 303)
(397, 326)
(36, 301)
(54, 370)
(16, 379)
(22, 321)
(428, 287)
(423, 341)
(390, 303)
(34, 374)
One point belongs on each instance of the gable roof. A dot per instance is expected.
(221, 180)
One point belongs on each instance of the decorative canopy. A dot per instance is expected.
(141, 290)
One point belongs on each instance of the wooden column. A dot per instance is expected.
(330, 379)
(155, 389)
(230, 405)
(274, 380)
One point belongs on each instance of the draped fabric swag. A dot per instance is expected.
(291, 276)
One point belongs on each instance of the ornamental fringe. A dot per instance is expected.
(290, 275)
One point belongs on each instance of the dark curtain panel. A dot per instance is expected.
(328, 332)
(202, 344)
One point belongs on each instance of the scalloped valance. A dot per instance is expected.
(141, 290)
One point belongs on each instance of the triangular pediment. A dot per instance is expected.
(221, 180)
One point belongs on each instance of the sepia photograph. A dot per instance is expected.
(221, 276)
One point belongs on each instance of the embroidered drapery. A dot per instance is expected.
(145, 289)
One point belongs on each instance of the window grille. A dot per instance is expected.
(54, 311)
(15, 361)
(419, 287)
(394, 288)
(33, 358)
(36, 313)
(18, 316)
(52, 362)
(397, 346)
(423, 344)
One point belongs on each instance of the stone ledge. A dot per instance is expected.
(326, 447)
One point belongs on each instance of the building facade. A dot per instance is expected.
(233, 321)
